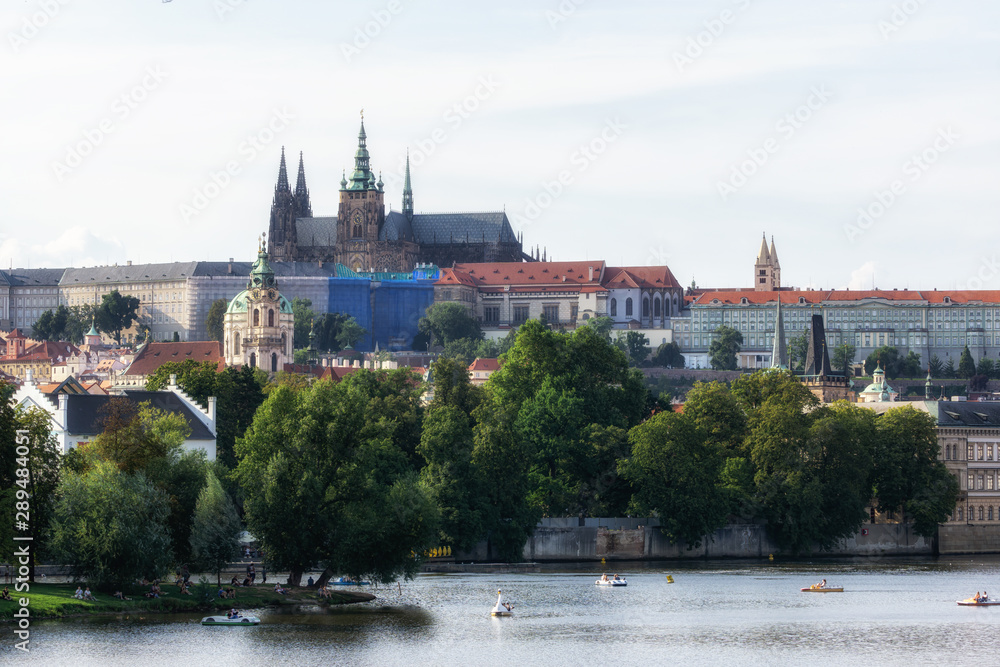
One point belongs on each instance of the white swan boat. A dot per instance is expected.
(611, 582)
(239, 619)
(501, 609)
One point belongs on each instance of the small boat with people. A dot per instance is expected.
(611, 581)
(233, 617)
(502, 608)
(823, 587)
(344, 581)
(979, 601)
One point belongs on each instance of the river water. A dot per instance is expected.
(720, 613)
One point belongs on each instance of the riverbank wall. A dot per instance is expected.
(572, 539)
(961, 538)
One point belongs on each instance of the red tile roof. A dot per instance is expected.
(821, 296)
(646, 277)
(154, 355)
(486, 365)
(534, 274)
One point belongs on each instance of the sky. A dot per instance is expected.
(862, 134)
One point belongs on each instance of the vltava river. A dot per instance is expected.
(891, 613)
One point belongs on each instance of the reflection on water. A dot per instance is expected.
(892, 613)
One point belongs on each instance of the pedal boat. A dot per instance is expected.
(499, 609)
(823, 589)
(611, 582)
(222, 619)
(971, 602)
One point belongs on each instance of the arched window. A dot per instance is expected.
(645, 306)
(960, 514)
(270, 317)
(274, 362)
(614, 308)
(980, 512)
(253, 360)
(284, 343)
(656, 306)
(256, 317)
(989, 513)
(236, 343)
(356, 231)
(628, 307)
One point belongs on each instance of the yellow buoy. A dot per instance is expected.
(670, 579)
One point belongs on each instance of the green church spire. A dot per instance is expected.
(362, 178)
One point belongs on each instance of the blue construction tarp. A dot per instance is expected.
(389, 310)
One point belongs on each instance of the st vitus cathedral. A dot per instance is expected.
(363, 237)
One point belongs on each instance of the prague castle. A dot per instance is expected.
(363, 237)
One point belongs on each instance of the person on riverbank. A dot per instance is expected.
(87, 595)
(5, 595)
(79, 593)
(252, 571)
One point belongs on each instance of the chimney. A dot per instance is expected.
(128, 263)
(230, 265)
(173, 381)
(591, 274)
(211, 410)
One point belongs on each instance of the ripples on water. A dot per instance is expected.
(892, 613)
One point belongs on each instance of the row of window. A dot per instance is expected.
(981, 481)
(976, 513)
(973, 452)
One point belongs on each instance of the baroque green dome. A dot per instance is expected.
(240, 302)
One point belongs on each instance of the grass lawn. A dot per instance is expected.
(56, 600)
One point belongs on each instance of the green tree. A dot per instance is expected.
(674, 472)
(448, 321)
(109, 526)
(325, 482)
(215, 529)
(668, 355)
(966, 365)
(910, 365)
(843, 357)
(304, 315)
(115, 314)
(78, 323)
(907, 476)
(798, 348)
(936, 367)
(636, 347)
(725, 348)
(948, 371)
(602, 325)
(214, 322)
(986, 367)
(350, 333)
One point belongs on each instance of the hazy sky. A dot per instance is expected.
(639, 132)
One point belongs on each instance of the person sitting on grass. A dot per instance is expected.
(246, 582)
(184, 589)
(5, 595)
(280, 590)
(87, 595)
(235, 581)
(79, 593)
(120, 596)
(231, 593)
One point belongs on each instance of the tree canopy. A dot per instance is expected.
(215, 320)
(724, 349)
(115, 314)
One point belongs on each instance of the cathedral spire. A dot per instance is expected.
(303, 208)
(362, 177)
(407, 190)
(774, 254)
(763, 256)
(282, 185)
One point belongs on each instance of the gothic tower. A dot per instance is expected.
(303, 209)
(361, 213)
(766, 270)
(407, 191)
(281, 228)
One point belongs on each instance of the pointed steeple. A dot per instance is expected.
(303, 208)
(362, 178)
(774, 255)
(407, 190)
(282, 185)
(779, 352)
(763, 257)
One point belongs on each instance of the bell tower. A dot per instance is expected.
(361, 213)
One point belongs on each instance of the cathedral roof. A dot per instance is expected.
(396, 228)
(316, 232)
(446, 228)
